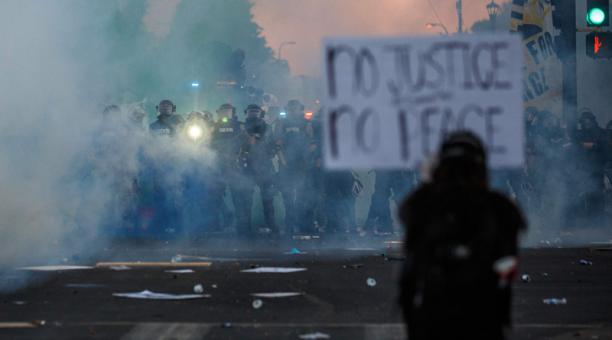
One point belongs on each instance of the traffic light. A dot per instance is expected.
(598, 12)
(599, 45)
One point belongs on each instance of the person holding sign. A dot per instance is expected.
(461, 248)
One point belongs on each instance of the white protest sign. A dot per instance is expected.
(390, 101)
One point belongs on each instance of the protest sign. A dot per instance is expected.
(390, 101)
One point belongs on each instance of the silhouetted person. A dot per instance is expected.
(461, 248)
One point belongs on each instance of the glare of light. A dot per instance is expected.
(224, 119)
(195, 84)
(308, 115)
(283, 114)
(195, 132)
(596, 16)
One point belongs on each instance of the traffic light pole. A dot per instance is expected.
(564, 17)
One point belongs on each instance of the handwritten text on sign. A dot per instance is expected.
(389, 102)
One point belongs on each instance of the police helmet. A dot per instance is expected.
(166, 102)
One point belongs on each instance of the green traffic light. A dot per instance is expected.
(596, 16)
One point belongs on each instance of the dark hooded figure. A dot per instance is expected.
(461, 249)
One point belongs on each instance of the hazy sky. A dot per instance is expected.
(307, 21)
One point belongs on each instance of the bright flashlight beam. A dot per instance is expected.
(195, 84)
(195, 132)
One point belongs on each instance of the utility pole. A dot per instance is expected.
(460, 16)
(564, 18)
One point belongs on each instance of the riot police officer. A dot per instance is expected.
(168, 121)
(165, 213)
(292, 143)
(255, 160)
(225, 141)
(461, 249)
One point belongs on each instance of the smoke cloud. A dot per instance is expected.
(159, 16)
(307, 22)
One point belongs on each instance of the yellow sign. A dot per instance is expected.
(543, 73)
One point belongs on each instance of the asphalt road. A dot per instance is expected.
(335, 298)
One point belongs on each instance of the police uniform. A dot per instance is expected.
(256, 169)
(293, 171)
(165, 214)
(225, 141)
(166, 125)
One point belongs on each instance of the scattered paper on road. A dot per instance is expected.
(273, 270)
(276, 294)
(146, 294)
(314, 336)
(139, 264)
(180, 271)
(295, 251)
(55, 268)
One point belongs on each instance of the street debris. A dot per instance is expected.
(5, 325)
(393, 258)
(526, 278)
(584, 262)
(198, 289)
(276, 295)
(257, 303)
(371, 282)
(214, 285)
(315, 336)
(555, 301)
(281, 270)
(305, 237)
(295, 251)
(180, 271)
(55, 268)
(19, 303)
(352, 266)
(84, 285)
(146, 294)
(139, 264)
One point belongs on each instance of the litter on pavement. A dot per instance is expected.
(257, 304)
(295, 251)
(139, 264)
(146, 294)
(555, 301)
(180, 271)
(273, 270)
(276, 294)
(315, 336)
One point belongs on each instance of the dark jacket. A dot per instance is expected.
(454, 236)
